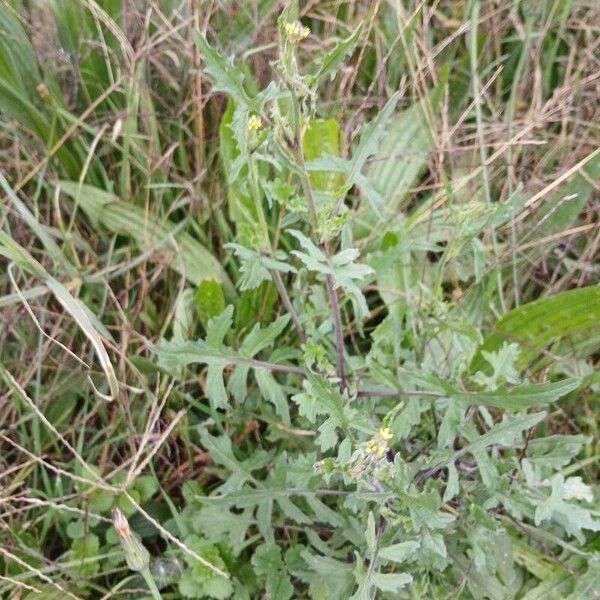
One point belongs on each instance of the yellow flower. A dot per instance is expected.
(375, 446)
(254, 123)
(386, 433)
(372, 446)
(296, 31)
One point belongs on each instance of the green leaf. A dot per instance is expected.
(274, 393)
(267, 562)
(346, 273)
(400, 552)
(323, 138)
(503, 366)
(572, 317)
(371, 136)
(213, 352)
(370, 534)
(218, 327)
(367, 146)
(215, 521)
(588, 584)
(554, 587)
(329, 63)
(399, 161)
(329, 579)
(81, 314)
(255, 266)
(321, 398)
(520, 397)
(505, 433)
(221, 451)
(391, 582)
(224, 75)
(190, 258)
(258, 339)
(199, 581)
(571, 516)
(209, 300)
(425, 511)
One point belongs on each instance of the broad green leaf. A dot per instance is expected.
(183, 317)
(400, 552)
(209, 300)
(212, 351)
(482, 585)
(425, 511)
(502, 363)
(572, 316)
(391, 582)
(323, 137)
(562, 210)
(399, 161)
(368, 144)
(555, 587)
(218, 327)
(371, 136)
(189, 257)
(574, 518)
(329, 579)
(217, 521)
(241, 209)
(255, 266)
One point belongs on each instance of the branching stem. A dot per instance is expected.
(285, 298)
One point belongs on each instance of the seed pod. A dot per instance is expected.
(136, 555)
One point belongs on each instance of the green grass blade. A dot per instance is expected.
(104, 209)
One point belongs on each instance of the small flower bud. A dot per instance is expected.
(43, 91)
(386, 433)
(254, 123)
(136, 555)
(296, 31)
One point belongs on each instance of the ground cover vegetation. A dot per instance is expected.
(299, 300)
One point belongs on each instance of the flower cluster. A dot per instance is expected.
(296, 31)
(379, 444)
(254, 123)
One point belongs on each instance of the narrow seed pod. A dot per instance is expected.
(136, 555)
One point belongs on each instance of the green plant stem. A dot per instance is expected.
(258, 206)
(333, 299)
(151, 583)
(304, 179)
(285, 298)
(393, 393)
(339, 334)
